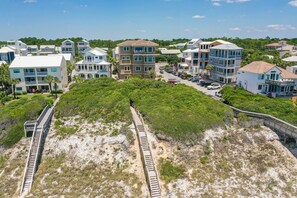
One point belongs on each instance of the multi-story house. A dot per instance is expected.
(194, 43)
(262, 77)
(83, 46)
(19, 47)
(226, 60)
(136, 57)
(47, 49)
(6, 54)
(32, 49)
(94, 65)
(68, 47)
(32, 70)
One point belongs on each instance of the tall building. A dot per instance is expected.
(94, 65)
(68, 47)
(226, 60)
(32, 70)
(136, 57)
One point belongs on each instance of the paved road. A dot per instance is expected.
(166, 76)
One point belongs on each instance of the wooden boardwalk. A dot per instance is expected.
(41, 126)
(148, 162)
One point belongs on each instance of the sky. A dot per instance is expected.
(147, 19)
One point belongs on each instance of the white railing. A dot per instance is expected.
(28, 158)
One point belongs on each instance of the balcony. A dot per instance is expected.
(126, 62)
(280, 82)
(30, 82)
(126, 72)
(29, 73)
(42, 73)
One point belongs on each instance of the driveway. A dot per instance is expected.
(166, 76)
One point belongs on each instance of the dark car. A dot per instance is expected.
(161, 72)
(195, 79)
(172, 80)
(205, 83)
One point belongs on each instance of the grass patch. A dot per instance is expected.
(14, 114)
(66, 131)
(281, 108)
(169, 171)
(178, 111)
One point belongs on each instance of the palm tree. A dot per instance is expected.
(4, 76)
(49, 80)
(55, 81)
(13, 82)
(209, 68)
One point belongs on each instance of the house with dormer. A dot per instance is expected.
(265, 78)
(94, 65)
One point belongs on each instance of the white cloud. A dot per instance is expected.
(219, 2)
(235, 29)
(30, 1)
(198, 17)
(293, 3)
(281, 27)
(84, 6)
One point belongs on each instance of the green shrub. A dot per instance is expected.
(180, 112)
(15, 114)
(203, 159)
(66, 131)
(281, 108)
(169, 171)
(242, 117)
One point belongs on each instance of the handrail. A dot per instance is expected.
(42, 114)
(36, 158)
(27, 161)
(263, 115)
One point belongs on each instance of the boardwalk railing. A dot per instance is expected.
(147, 159)
(271, 122)
(35, 151)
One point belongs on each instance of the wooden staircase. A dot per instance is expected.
(35, 151)
(148, 162)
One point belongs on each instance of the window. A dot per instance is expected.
(127, 68)
(100, 57)
(137, 68)
(259, 87)
(149, 49)
(16, 71)
(126, 49)
(138, 49)
(19, 88)
(125, 57)
(53, 69)
(261, 77)
(138, 58)
(149, 59)
(148, 68)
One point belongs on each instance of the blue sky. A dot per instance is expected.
(161, 19)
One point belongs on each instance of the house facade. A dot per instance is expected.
(94, 65)
(194, 43)
(265, 78)
(32, 70)
(226, 60)
(82, 46)
(32, 49)
(47, 49)
(68, 47)
(7, 54)
(136, 57)
(19, 47)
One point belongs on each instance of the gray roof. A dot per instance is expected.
(227, 46)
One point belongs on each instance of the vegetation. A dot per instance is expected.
(169, 171)
(177, 111)
(15, 114)
(279, 107)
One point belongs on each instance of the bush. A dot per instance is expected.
(15, 114)
(24, 93)
(180, 112)
(169, 171)
(281, 108)
(59, 91)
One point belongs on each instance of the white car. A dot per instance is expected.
(214, 86)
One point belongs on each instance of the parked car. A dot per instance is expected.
(195, 79)
(161, 72)
(205, 83)
(190, 78)
(214, 86)
(172, 80)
